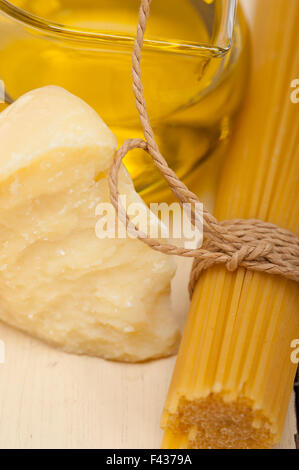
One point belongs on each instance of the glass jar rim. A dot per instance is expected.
(100, 38)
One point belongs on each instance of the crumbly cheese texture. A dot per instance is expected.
(58, 280)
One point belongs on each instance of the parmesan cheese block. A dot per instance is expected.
(58, 280)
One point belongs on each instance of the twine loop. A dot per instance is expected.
(253, 244)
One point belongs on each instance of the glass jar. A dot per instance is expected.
(194, 70)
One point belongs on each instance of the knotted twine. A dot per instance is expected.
(252, 244)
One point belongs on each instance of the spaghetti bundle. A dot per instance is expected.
(234, 375)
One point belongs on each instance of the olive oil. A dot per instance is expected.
(193, 87)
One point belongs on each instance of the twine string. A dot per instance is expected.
(252, 244)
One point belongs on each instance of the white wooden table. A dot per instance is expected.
(49, 399)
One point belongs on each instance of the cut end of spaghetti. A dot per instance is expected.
(214, 423)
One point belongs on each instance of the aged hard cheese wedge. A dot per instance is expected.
(58, 280)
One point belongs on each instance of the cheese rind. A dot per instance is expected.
(58, 281)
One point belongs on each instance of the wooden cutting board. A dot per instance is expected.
(49, 399)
